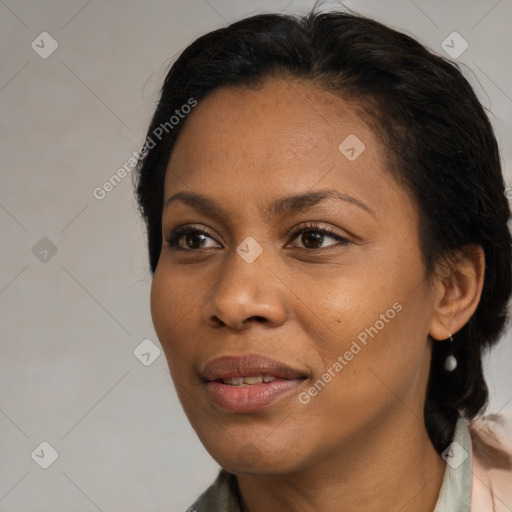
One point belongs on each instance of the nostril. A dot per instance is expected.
(218, 321)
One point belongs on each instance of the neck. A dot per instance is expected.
(387, 467)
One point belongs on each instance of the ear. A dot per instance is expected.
(458, 283)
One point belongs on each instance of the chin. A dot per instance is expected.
(254, 458)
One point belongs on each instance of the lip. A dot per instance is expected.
(228, 367)
(254, 397)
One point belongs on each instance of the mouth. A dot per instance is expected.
(249, 383)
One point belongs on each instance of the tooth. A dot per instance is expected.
(253, 380)
(248, 381)
(234, 381)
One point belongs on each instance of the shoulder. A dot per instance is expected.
(491, 439)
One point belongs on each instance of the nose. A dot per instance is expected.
(246, 293)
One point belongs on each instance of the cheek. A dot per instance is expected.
(171, 302)
(341, 305)
(161, 305)
(374, 316)
(379, 358)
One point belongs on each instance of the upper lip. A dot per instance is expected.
(228, 367)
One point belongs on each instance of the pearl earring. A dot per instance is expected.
(451, 363)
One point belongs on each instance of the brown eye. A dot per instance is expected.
(313, 237)
(189, 239)
(194, 240)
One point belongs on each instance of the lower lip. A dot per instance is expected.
(250, 398)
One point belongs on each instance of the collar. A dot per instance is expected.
(455, 492)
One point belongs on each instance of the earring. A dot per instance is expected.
(450, 363)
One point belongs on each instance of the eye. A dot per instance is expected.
(188, 238)
(313, 236)
(192, 237)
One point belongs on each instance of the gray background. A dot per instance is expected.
(70, 321)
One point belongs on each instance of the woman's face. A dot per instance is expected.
(302, 250)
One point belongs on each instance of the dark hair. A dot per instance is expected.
(437, 139)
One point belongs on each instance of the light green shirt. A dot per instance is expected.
(454, 495)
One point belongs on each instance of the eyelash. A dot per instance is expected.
(174, 237)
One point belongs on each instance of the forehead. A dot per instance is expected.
(283, 137)
(292, 118)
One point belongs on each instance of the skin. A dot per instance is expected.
(360, 443)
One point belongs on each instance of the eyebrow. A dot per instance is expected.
(280, 207)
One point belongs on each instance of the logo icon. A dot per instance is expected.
(44, 45)
(44, 250)
(146, 352)
(454, 455)
(45, 455)
(351, 147)
(249, 249)
(454, 45)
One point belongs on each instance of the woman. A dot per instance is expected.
(328, 237)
